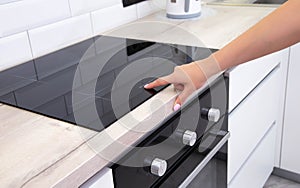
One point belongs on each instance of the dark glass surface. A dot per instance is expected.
(127, 3)
(270, 1)
(63, 83)
(168, 139)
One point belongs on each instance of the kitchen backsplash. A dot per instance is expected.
(32, 28)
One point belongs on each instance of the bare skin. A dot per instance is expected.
(277, 31)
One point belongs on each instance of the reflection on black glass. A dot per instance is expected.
(46, 85)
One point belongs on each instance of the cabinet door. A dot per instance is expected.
(259, 165)
(244, 78)
(104, 178)
(283, 71)
(290, 149)
(250, 121)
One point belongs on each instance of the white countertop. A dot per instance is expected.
(69, 156)
(216, 27)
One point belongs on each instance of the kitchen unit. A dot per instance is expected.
(290, 155)
(252, 145)
(79, 163)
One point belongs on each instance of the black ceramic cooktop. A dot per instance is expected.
(270, 1)
(102, 74)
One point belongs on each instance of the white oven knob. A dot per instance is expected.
(213, 115)
(158, 167)
(189, 138)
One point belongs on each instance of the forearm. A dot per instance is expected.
(275, 32)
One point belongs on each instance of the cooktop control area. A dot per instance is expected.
(101, 78)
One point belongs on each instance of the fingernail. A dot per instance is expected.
(176, 107)
(145, 86)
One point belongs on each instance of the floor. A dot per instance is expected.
(278, 182)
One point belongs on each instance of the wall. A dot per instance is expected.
(32, 28)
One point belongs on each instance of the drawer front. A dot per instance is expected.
(259, 166)
(290, 153)
(251, 120)
(244, 78)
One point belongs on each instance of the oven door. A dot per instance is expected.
(205, 167)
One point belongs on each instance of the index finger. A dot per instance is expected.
(156, 83)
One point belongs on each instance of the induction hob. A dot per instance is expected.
(270, 1)
(92, 76)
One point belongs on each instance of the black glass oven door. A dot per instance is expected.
(206, 167)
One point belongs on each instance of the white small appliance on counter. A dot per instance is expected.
(183, 9)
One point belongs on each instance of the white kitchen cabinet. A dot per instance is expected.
(244, 78)
(290, 150)
(104, 178)
(254, 91)
(259, 165)
(283, 71)
(250, 121)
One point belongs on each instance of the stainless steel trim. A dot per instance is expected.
(205, 161)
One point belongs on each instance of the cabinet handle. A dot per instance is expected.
(205, 161)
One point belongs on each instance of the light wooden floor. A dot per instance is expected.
(278, 182)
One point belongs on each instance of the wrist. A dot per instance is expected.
(208, 66)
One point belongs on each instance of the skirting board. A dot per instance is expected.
(286, 174)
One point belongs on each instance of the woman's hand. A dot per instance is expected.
(187, 78)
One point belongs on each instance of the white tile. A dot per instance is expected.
(85, 6)
(108, 18)
(22, 15)
(146, 8)
(14, 50)
(59, 35)
(7, 1)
